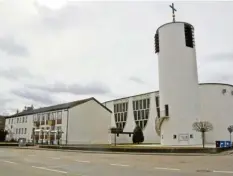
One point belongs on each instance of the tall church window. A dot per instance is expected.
(157, 106)
(141, 110)
(189, 35)
(120, 114)
(156, 38)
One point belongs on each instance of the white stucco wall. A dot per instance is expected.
(149, 132)
(13, 126)
(89, 123)
(178, 85)
(217, 108)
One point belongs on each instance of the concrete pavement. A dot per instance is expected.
(51, 163)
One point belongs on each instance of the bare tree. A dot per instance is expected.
(203, 127)
(230, 129)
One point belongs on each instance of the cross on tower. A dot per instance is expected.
(173, 11)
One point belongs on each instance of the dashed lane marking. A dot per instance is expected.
(9, 162)
(122, 165)
(164, 168)
(52, 170)
(226, 172)
(80, 161)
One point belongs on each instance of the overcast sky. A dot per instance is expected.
(57, 51)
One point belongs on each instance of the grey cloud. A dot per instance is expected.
(136, 79)
(4, 101)
(15, 73)
(35, 96)
(10, 46)
(65, 17)
(92, 88)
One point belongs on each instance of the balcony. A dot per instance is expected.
(42, 122)
(50, 122)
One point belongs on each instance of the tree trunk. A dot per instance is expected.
(230, 140)
(203, 139)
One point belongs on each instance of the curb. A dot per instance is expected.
(126, 153)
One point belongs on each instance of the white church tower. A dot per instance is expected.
(178, 84)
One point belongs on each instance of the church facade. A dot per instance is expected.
(216, 102)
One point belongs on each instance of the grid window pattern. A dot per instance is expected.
(141, 110)
(120, 114)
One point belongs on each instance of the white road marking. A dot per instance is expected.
(9, 162)
(226, 172)
(54, 158)
(59, 166)
(82, 161)
(52, 170)
(163, 168)
(123, 165)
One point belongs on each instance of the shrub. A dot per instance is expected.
(138, 136)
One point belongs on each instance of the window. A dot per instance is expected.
(22, 119)
(115, 117)
(59, 115)
(224, 91)
(156, 42)
(54, 115)
(51, 116)
(38, 117)
(144, 104)
(25, 130)
(136, 105)
(157, 101)
(123, 107)
(19, 130)
(140, 104)
(43, 117)
(189, 39)
(26, 119)
(9, 121)
(191, 136)
(174, 136)
(16, 130)
(120, 114)
(17, 120)
(141, 112)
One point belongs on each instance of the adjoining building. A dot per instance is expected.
(80, 122)
(216, 102)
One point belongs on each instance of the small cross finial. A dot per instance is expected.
(173, 11)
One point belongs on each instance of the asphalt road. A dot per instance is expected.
(23, 162)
